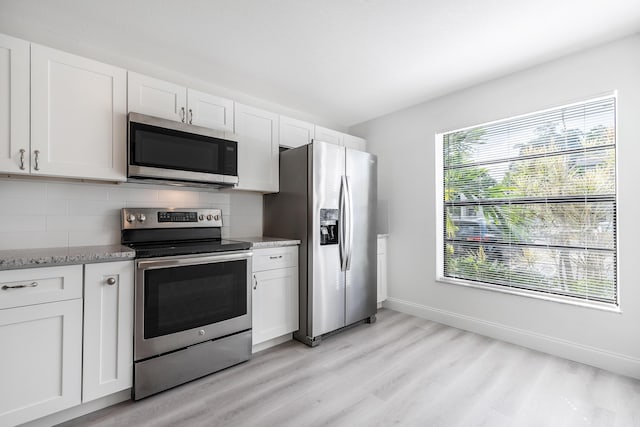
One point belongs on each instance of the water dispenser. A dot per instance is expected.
(328, 227)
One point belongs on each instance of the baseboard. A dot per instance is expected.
(600, 358)
(80, 410)
(271, 343)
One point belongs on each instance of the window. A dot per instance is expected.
(529, 204)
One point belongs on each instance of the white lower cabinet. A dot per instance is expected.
(275, 293)
(382, 268)
(108, 329)
(44, 365)
(40, 360)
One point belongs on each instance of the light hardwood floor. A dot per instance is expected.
(402, 370)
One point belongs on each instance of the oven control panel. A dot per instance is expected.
(138, 218)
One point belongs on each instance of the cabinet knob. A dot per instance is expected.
(182, 115)
(255, 282)
(190, 116)
(111, 281)
(37, 154)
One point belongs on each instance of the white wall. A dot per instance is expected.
(37, 213)
(404, 142)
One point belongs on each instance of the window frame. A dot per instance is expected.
(538, 295)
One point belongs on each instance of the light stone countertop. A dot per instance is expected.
(51, 257)
(268, 242)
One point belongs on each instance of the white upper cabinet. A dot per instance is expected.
(209, 110)
(354, 142)
(14, 105)
(339, 138)
(328, 135)
(258, 151)
(78, 116)
(294, 133)
(154, 97)
(159, 98)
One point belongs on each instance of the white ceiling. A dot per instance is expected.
(345, 60)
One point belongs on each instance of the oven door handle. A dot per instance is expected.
(164, 262)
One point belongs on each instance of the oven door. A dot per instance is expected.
(181, 301)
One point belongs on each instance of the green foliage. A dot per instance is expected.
(475, 265)
(542, 173)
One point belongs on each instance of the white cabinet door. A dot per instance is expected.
(258, 162)
(78, 116)
(294, 133)
(40, 361)
(354, 142)
(339, 138)
(275, 303)
(209, 111)
(14, 105)
(328, 135)
(155, 97)
(108, 329)
(382, 268)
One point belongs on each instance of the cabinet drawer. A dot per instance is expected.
(272, 258)
(40, 285)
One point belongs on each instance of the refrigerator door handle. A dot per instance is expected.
(342, 229)
(349, 239)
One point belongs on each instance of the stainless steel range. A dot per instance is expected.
(192, 296)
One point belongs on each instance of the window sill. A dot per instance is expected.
(531, 294)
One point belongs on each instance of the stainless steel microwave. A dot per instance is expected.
(165, 151)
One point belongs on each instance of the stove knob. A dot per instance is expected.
(142, 218)
(209, 217)
(201, 217)
(216, 217)
(131, 218)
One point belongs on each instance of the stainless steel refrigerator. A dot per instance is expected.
(327, 200)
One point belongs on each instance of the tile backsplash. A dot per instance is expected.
(40, 213)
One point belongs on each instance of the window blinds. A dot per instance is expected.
(530, 202)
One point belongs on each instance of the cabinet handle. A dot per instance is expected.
(22, 158)
(190, 116)
(182, 115)
(37, 166)
(24, 285)
(111, 281)
(275, 257)
(255, 282)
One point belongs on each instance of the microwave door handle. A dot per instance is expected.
(342, 231)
